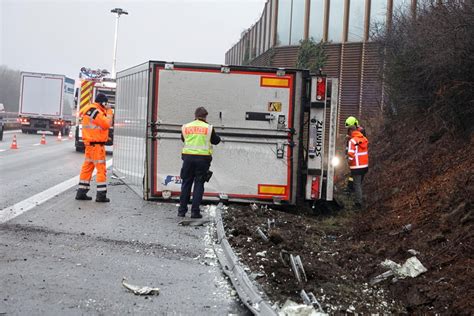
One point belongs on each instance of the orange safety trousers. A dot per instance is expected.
(94, 158)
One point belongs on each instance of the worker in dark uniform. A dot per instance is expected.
(198, 137)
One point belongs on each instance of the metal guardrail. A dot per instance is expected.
(248, 292)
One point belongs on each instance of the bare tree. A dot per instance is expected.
(429, 62)
(9, 88)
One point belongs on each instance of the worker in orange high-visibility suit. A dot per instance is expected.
(358, 158)
(96, 121)
(352, 121)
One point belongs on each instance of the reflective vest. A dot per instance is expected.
(358, 151)
(96, 122)
(197, 138)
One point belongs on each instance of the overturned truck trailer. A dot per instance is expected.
(272, 122)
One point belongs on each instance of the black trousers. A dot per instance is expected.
(193, 170)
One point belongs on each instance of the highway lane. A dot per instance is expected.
(68, 257)
(33, 168)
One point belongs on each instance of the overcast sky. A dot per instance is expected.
(61, 36)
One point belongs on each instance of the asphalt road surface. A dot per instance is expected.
(32, 167)
(68, 257)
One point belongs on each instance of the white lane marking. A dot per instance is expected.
(19, 208)
(36, 144)
(2, 150)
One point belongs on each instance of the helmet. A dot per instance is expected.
(351, 121)
(101, 98)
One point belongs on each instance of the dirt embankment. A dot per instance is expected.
(420, 175)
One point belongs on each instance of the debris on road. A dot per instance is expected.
(411, 268)
(140, 290)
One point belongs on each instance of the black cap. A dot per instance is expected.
(101, 98)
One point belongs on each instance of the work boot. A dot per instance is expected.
(102, 196)
(82, 196)
(196, 215)
(181, 213)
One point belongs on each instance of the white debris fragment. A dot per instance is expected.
(413, 252)
(411, 268)
(212, 210)
(140, 290)
(254, 207)
(261, 254)
(291, 308)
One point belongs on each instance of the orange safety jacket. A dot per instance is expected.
(358, 151)
(96, 121)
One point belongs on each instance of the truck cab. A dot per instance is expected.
(105, 86)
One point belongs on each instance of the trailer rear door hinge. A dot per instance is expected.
(169, 66)
(280, 150)
(281, 122)
(280, 72)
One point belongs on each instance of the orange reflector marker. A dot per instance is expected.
(275, 82)
(271, 189)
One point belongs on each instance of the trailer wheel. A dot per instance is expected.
(80, 149)
(24, 131)
(1, 134)
(55, 133)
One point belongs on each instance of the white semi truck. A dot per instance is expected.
(272, 123)
(46, 103)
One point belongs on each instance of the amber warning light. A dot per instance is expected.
(321, 88)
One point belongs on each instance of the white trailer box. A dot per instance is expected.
(258, 112)
(46, 102)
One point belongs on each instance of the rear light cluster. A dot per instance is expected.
(23, 120)
(58, 123)
(315, 188)
(321, 88)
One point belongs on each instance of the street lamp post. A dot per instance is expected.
(118, 12)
